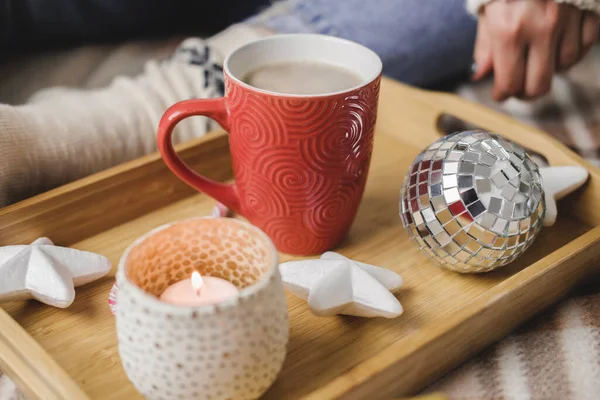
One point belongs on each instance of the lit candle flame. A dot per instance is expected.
(197, 281)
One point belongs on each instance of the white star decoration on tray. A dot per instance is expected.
(334, 284)
(46, 272)
(559, 182)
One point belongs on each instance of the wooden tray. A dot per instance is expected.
(72, 354)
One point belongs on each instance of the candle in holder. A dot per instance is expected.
(172, 348)
(199, 291)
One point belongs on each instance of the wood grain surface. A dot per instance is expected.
(448, 317)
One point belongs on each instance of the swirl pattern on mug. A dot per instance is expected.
(304, 117)
(302, 186)
(371, 92)
(242, 168)
(301, 163)
(262, 199)
(341, 139)
(338, 210)
(236, 97)
(291, 234)
(255, 125)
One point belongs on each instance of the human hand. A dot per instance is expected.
(525, 42)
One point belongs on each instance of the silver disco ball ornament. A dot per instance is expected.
(473, 201)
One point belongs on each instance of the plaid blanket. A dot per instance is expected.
(556, 356)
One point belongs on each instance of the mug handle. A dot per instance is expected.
(211, 108)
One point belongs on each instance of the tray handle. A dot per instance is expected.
(425, 108)
(32, 368)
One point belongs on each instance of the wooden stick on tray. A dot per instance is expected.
(45, 378)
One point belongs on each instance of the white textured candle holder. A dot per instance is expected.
(232, 350)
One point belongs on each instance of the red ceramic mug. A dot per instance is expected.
(300, 161)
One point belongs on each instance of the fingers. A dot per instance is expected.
(569, 51)
(541, 61)
(580, 33)
(590, 25)
(483, 50)
(540, 67)
(526, 42)
(509, 65)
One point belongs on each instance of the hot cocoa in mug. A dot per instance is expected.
(302, 77)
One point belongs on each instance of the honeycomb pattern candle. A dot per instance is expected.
(473, 201)
(229, 341)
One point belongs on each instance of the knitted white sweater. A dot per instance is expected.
(63, 134)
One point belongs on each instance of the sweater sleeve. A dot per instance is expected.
(474, 6)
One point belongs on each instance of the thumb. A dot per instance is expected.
(483, 51)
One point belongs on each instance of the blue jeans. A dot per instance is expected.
(421, 42)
